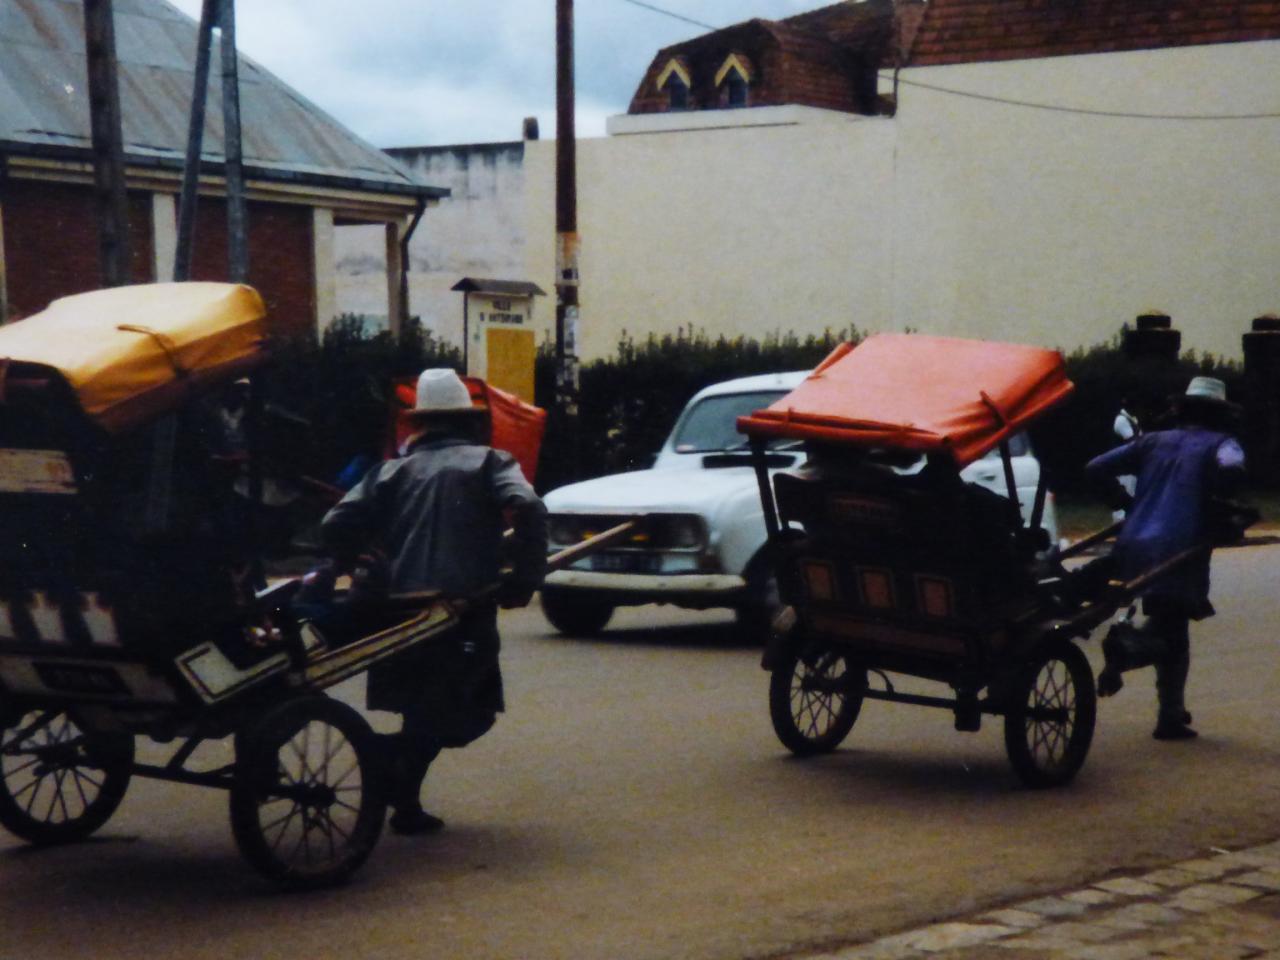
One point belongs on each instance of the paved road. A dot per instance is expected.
(634, 804)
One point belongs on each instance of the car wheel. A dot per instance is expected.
(573, 614)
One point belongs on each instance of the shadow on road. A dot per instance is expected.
(141, 880)
(874, 775)
(702, 636)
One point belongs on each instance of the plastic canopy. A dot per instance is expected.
(132, 353)
(918, 393)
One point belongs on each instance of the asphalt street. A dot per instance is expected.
(634, 804)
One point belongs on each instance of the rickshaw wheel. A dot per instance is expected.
(1048, 724)
(814, 700)
(61, 782)
(308, 799)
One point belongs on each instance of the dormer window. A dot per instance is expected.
(675, 80)
(732, 80)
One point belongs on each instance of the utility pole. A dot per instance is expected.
(237, 219)
(567, 239)
(107, 142)
(195, 144)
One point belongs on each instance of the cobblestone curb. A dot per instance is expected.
(1225, 906)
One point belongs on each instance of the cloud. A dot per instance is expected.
(401, 72)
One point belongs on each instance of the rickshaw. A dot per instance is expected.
(890, 565)
(130, 607)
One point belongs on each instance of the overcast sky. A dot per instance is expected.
(419, 72)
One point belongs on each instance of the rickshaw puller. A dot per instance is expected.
(438, 513)
(1177, 470)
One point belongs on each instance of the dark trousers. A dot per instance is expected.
(1173, 627)
(448, 691)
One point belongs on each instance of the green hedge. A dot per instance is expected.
(630, 400)
(341, 385)
(1105, 379)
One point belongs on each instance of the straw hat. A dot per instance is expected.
(442, 392)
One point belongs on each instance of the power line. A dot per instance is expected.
(1058, 108)
(668, 13)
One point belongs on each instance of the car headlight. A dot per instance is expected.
(679, 532)
(563, 531)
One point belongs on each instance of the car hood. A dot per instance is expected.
(653, 491)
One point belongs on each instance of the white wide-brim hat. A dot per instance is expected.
(441, 391)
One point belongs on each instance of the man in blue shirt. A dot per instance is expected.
(1177, 470)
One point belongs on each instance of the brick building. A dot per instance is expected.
(306, 176)
(827, 58)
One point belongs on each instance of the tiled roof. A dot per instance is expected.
(815, 58)
(967, 31)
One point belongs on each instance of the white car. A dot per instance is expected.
(702, 544)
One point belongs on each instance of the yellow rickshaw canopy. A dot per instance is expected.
(133, 353)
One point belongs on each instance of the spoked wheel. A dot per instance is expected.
(308, 800)
(60, 781)
(814, 700)
(1049, 721)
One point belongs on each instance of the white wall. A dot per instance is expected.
(959, 215)
(739, 231)
(478, 232)
(1057, 227)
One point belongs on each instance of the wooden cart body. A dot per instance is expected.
(127, 606)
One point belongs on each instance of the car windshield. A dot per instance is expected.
(712, 424)
(1019, 446)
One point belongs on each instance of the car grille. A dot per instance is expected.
(664, 532)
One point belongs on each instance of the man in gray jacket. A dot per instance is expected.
(438, 513)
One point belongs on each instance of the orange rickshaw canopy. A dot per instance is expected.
(918, 393)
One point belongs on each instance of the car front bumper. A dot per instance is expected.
(696, 590)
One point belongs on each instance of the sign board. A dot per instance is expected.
(36, 471)
(500, 341)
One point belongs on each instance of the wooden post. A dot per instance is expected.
(185, 247)
(237, 217)
(107, 143)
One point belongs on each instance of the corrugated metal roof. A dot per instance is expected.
(44, 107)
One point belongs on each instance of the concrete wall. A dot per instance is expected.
(478, 232)
(1057, 227)
(960, 215)
(733, 231)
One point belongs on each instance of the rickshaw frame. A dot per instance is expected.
(1018, 659)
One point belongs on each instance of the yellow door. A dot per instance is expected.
(510, 355)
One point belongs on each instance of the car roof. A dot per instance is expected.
(762, 381)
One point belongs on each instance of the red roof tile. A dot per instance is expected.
(823, 58)
(969, 31)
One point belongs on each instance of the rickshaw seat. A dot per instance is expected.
(885, 545)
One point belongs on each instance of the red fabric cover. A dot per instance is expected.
(517, 427)
(919, 393)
